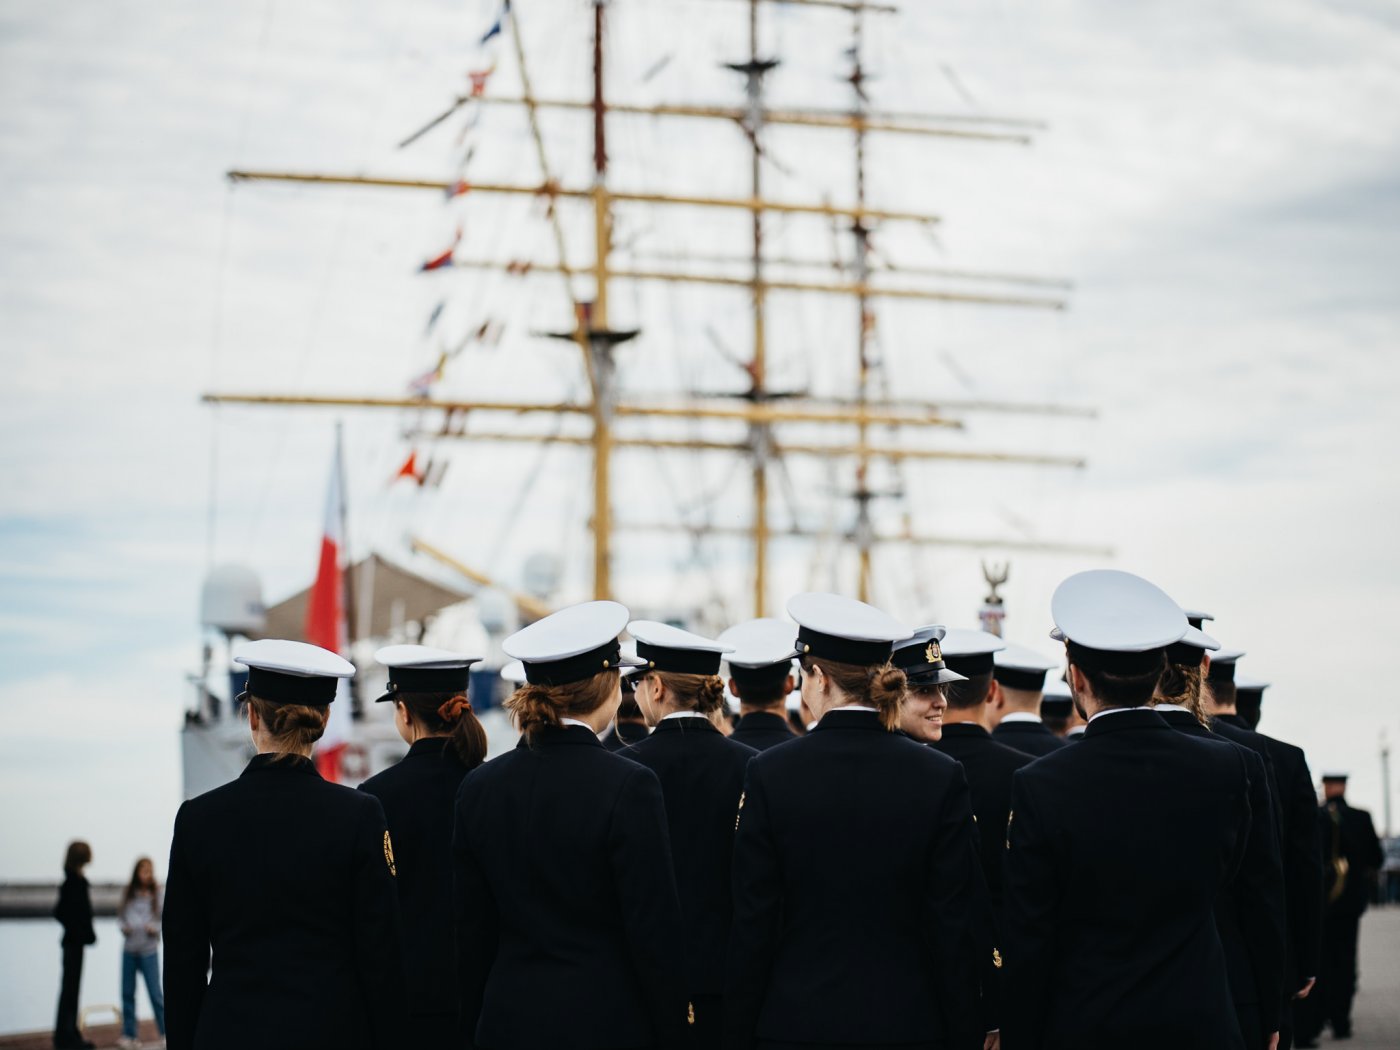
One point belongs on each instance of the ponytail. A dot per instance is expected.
(701, 693)
(879, 685)
(536, 706)
(449, 715)
(293, 727)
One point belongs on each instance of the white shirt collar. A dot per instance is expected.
(852, 707)
(1075, 731)
(1114, 711)
(682, 714)
(1020, 716)
(576, 722)
(1170, 707)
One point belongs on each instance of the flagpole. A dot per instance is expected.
(347, 570)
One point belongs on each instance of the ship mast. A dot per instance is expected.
(597, 340)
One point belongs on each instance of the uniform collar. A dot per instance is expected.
(270, 763)
(1114, 719)
(549, 736)
(696, 724)
(1235, 720)
(966, 730)
(850, 718)
(1021, 716)
(428, 745)
(762, 719)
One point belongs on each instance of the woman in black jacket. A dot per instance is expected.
(855, 878)
(569, 932)
(428, 688)
(74, 912)
(288, 881)
(702, 777)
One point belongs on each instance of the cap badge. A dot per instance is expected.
(389, 855)
(996, 959)
(933, 653)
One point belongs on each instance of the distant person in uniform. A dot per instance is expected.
(1014, 698)
(1296, 802)
(428, 688)
(761, 678)
(1119, 847)
(1352, 856)
(628, 727)
(855, 872)
(288, 882)
(569, 930)
(1057, 709)
(1253, 936)
(74, 913)
(926, 677)
(138, 915)
(702, 777)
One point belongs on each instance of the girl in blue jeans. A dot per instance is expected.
(139, 915)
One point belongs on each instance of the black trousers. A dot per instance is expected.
(1330, 1002)
(65, 1029)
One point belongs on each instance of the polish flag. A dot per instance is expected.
(326, 624)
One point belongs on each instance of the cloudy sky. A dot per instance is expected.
(1221, 186)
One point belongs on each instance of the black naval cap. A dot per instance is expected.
(1056, 701)
(286, 672)
(921, 657)
(1018, 667)
(423, 669)
(1222, 665)
(1191, 650)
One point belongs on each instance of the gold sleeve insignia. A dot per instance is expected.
(1010, 816)
(996, 958)
(389, 855)
(689, 1013)
(742, 795)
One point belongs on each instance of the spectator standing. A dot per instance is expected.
(74, 911)
(139, 915)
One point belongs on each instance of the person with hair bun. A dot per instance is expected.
(428, 688)
(702, 776)
(288, 881)
(568, 927)
(855, 869)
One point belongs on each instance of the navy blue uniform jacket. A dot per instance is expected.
(418, 795)
(568, 927)
(1031, 737)
(761, 730)
(855, 887)
(289, 881)
(1116, 853)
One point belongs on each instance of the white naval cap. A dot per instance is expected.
(1245, 684)
(1191, 650)
(662, 647)
(1116, 612)
(761, 652)
(1222, 665)
(287, 672)
(423, 669)
(1057, 697)
(1196, 618)
(572, 644)
(842, 629)
(513, 672)
(1018, 667)
(1335, 774)
(970, 651)
(921, 657)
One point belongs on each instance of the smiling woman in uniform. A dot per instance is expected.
(288, 881)
(569, 931)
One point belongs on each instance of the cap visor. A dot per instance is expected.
(630, 661)
(943, 677)
(387, 696)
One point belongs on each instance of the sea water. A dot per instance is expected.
(31, 963)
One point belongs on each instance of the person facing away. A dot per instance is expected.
(428, 688)
(1018, 682)
(761, 679)
(1251, 916)
(702, 776)
(1351, 857)
(855, 879)
(568, 927)
(138, 914)
(288, 881)
(74, 913)
(1299, 841)
(1098, 954)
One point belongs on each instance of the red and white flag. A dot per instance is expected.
(326, 624)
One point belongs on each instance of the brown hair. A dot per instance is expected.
(449, 714)
(293, 727)
(1181, 684)
(79, 853)
(971, 693)
(702, 693)
(1222, 691)
(535, 706)
(879, 685)
(133, 887)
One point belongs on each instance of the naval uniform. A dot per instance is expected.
(1251, 915)
(624, 734)
(854, 885)
(289, 880)
(1349, 836)
(418, 795)
(569, 930)
(702, 776)
(761, 730)
(1302, 862)
(1116, 853)
(1029, 736)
